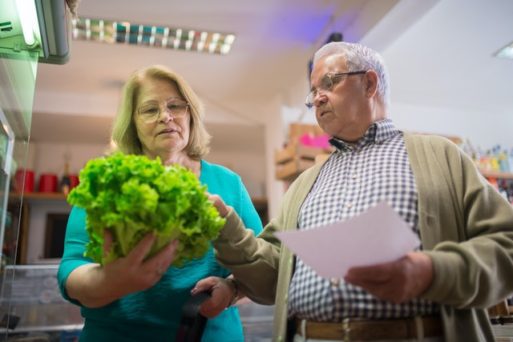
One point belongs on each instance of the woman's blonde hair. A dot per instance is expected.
(124, 134)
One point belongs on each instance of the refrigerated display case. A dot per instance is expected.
(30, 32)
(17, 83)
(6, 150)
(35, 303)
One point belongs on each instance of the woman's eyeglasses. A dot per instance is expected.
(151, 111)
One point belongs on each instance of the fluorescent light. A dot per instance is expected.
(215, 37)
(212, 47)
(229, 39)
(505, 52)
(122, 32)
(28, 18)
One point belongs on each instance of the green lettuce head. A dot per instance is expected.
(132, 195)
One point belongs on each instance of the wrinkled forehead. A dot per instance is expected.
(152, 88)
(327, 64)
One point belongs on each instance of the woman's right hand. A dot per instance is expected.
(132, 273)
(95, 286)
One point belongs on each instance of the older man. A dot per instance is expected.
(438, 293)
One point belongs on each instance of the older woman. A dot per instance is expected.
(131, 299)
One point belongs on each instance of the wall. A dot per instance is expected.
(480, 128)
(50, 158)
(250, 166)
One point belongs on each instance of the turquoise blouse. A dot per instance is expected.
(154, 314)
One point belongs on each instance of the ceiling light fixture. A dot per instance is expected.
(505, 52)
(28, 19)
(122, 32)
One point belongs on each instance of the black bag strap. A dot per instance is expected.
(192, 323)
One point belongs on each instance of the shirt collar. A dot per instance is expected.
(377, 133)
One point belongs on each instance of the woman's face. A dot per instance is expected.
(162, 125)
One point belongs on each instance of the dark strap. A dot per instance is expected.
(192, 323)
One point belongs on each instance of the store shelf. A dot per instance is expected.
(38, 196)
(499, 175)
(47, 328)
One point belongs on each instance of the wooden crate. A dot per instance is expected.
(296, 157)
(297, 151)
(288, 171)
(297, 129)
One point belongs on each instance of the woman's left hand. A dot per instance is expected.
(222, 294)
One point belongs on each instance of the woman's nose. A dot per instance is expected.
(166, 115)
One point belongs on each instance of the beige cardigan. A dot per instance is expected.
(466, 228)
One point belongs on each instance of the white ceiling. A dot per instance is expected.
(275, 39)
(438, 51)
(446, 58)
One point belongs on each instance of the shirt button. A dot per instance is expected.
(335, 282)
(354, 176)
(349, 205)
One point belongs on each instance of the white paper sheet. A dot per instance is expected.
(377, 235)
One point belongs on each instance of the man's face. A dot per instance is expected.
(344, 110)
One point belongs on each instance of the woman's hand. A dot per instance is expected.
(223, 294)
(95, 286)
(132, 273)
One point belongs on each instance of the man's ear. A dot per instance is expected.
(371, 83)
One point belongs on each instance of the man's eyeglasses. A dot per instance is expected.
(150, 112)
(327, 83)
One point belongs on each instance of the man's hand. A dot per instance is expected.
(397, 281)
(222, 295)
(219, 204)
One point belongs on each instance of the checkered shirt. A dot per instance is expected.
(355, 178)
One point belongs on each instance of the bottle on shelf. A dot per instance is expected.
(504, 165)
(65, 180)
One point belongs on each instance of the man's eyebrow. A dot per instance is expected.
(312, 87)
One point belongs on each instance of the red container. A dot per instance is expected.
(24, 181)
(73, 181)
(48, 182)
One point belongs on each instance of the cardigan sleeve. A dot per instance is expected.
(255, 261)
(476, 269)
(252, 260)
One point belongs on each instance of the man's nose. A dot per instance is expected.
(320, 98)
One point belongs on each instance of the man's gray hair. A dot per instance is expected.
(359, 57)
